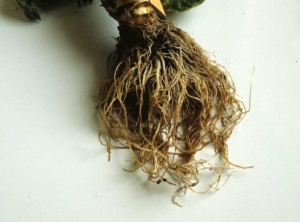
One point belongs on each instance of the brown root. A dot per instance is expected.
(166, 100)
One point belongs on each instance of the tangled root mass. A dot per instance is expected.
(165, 100)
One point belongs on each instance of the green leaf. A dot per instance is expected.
(180, 5)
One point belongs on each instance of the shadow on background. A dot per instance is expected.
(85, 29)
(11, 10)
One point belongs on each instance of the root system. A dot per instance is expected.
(165, 100)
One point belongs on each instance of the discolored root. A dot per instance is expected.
(165, 100)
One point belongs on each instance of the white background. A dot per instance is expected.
(52, 167)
